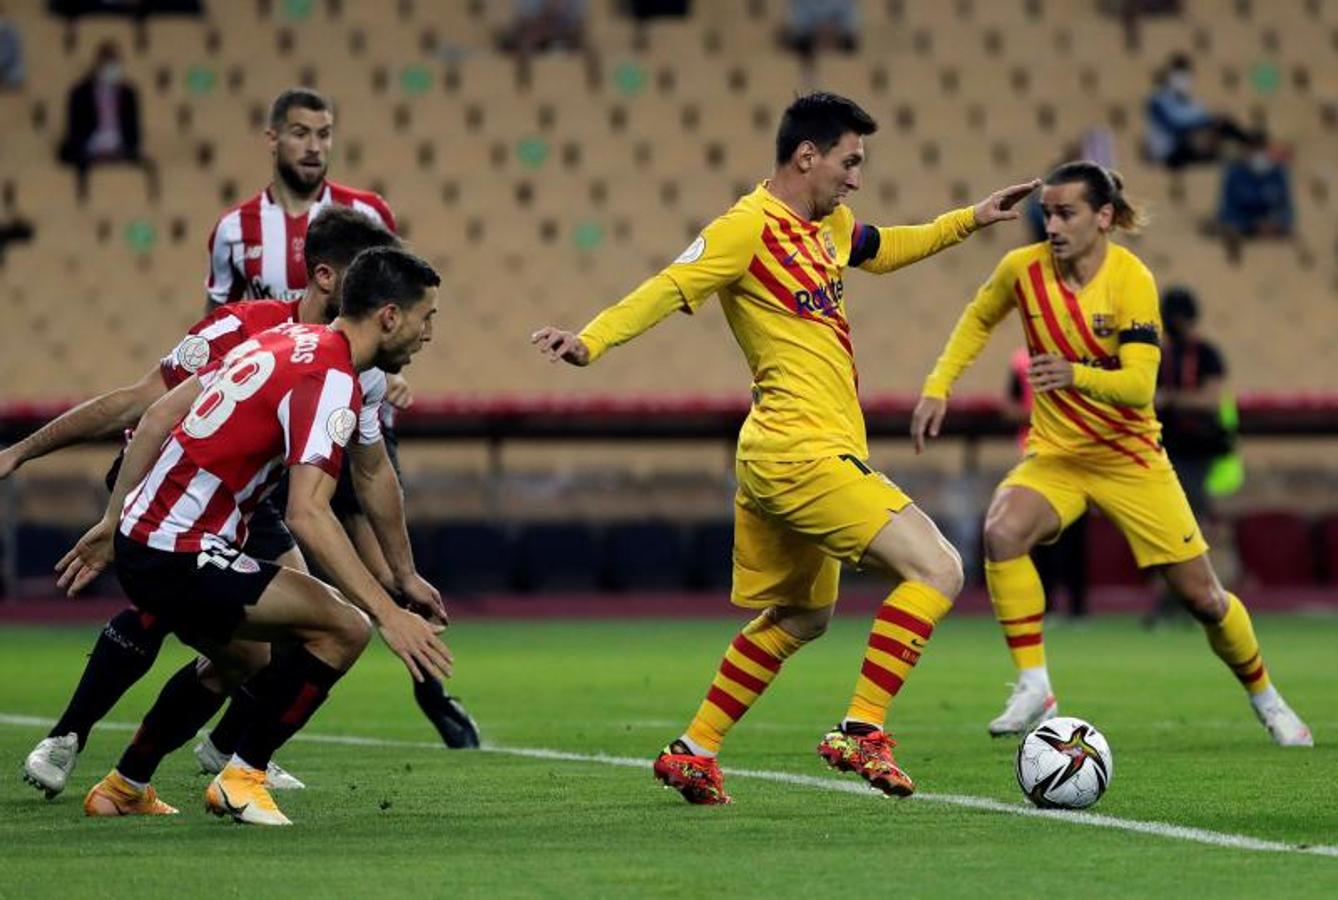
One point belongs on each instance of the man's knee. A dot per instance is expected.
(1007, 536)
(802, 624)
(941, 571)
(1200, 592)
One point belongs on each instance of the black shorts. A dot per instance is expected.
(267, 537)
(201, 596)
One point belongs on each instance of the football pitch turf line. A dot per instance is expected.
(984, 804)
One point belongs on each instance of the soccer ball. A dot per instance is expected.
(1064, 763)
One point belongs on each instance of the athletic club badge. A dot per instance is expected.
(828, 244)
(1103, 325)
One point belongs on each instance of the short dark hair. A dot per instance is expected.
(300, 97)
(339, 233)
(821, 118)
(1178, 303)
(382, 275)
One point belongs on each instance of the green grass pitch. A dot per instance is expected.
(397, 820)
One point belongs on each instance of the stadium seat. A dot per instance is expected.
(1110, 562)
(711, 555)
(644, 556)
(468, 557)
(554, 556)
(1276, 548)
(1328, 548)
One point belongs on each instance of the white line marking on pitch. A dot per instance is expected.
(985, 804)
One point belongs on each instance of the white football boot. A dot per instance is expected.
(240, 792)
(212, 761)
(1027, 706)
(1284, 725)
(49, 766)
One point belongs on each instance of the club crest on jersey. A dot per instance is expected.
(1103, 325)
(192, 353)
(828, 244)
(694, 251)
(254, 252)
(299, 245)
(340, 425)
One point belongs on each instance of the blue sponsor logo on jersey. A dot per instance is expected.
(824, 301)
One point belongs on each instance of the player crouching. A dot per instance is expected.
(203, 457)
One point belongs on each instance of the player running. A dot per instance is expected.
(807, 498)
(288, 398)
(131, 640)
(1091, 320)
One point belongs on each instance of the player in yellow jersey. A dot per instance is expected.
(1090, 316)
(807, 499)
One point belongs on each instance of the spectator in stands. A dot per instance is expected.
(1256, 196)
(1064, 562)
(102, 121)
(12, 71)
(543, 25)
(1190, 393)
(818, 26)
(1180, 130)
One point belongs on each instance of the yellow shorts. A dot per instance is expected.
(796, 522)
(1147, 505)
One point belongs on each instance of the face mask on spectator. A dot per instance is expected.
(110, 73)
(1260, 161)
(1181, 81)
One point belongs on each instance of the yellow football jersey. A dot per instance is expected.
(779, 279)
(1110, 330)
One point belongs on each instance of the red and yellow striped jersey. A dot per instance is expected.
(1109, 330)
(779, 279)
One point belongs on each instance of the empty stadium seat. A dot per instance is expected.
(644, 556)
(1276, 548)
(468, 557)
(557, 557)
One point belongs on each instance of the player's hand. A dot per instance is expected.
(424, 599)
(557, 344)
(1049, 372)
(927, 420)
(398, 392)
(9, 462)
(88, 558)
(415, 642)
(1000, 206)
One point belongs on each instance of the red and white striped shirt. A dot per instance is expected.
(214, 336)
(287, 397)
(256, 249)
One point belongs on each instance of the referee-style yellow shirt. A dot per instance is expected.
(779, 280)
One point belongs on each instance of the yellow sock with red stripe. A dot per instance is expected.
(900, 632)
(1233, 640)
(1019, 605)
(751, 662)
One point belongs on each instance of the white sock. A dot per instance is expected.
(694, 748)
(137, 785)
(1035, 677)
(238, 761)
(1265, 697)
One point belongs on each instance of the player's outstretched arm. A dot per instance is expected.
(93, 552)
(882, 250)
(382, 499)
(557, 344)
(99, 417)
(315, 526)
(1001, 206)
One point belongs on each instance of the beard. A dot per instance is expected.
(297, 181)
(390, 360)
